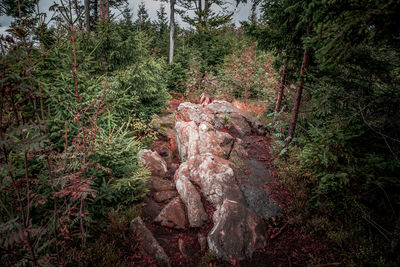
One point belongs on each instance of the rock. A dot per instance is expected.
(151, 209)
(173, 215)
(149, 244)
(206, 98)
(202, 241)
(216, 178)
(234, 187)
(240, 120)
(195, 209)
(187, 139)
(213, 141)
(164, 152)
(164, 195)
(191, 112)
(252, 186)
(181, 246)
(237, 232)
(238, 151)
(153, 161)
(160, 184)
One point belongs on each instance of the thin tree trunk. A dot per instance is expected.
(299, 91)
(104, 9)
(101, 9)
(281, 92)
(87, 15)
(171, 31)
(200, 23)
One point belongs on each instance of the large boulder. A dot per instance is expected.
(237, 232)
(148, 243)
(154, 162)
(216, 177)
(241, 121)
(216, 113)
(191, 112)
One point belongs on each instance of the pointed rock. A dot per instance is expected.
(196, 213)
(149, 244)
(173, 215)
(153, 161)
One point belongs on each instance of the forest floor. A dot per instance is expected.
(288, 244)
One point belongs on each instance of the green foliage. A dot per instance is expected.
(345, 160)
(139, 90)
(248, 73)
(116, 153)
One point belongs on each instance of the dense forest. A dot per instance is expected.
(80, 90)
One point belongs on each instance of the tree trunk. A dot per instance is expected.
(281, 92)
(200, 30)
(171, 31)
(299, 91)
(87, 15)
(104, 9)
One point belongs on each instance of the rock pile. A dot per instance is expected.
(215, 165)
(215, 161)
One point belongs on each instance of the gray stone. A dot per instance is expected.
(237, 232)
(149, 244)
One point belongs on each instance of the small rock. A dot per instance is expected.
(153, 161)
(150, 246)
(173, 215)
(202, 241)
(164, 195)
(160, 184)
(181, 245)
(206, 98)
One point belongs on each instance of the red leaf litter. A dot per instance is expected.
(290, 245)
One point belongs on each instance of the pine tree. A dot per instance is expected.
(162, 20)
(142, 22)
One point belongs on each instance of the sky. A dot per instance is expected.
(241, 12)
